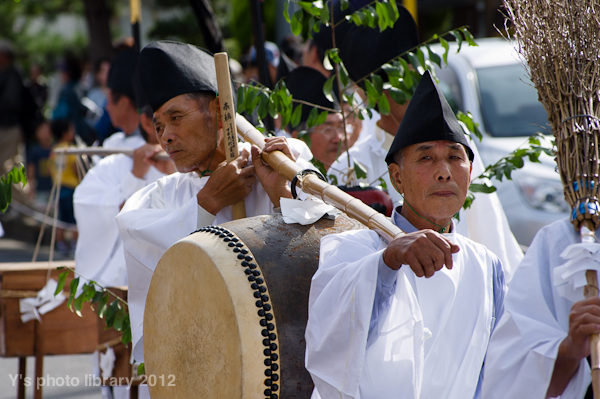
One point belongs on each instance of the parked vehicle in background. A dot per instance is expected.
(491, 82)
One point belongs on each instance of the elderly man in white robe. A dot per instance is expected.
(540, 347)
(180, 83)
(389, 320)
(365, 50)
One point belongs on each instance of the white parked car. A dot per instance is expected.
(491, 82)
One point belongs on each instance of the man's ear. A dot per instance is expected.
(395, 177)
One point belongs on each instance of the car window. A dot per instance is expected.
(509, 102)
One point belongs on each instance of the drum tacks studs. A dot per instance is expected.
(266, 320)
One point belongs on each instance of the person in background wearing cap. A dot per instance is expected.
(102, 193)
(99, 254)
(120, 103)
(11, 92)
(414, 316)
(180, 83)
(314, 49)
(305, 84)
(250, 65)
(278, 65)
(313, 54)
(365, 50)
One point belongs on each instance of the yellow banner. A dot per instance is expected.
(136, 10)
(411, 6)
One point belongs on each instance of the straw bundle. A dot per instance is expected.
(560, 41)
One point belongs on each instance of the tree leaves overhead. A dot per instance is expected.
(296, 23)
(403, 75)
(472, 127)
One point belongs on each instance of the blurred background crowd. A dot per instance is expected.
(55, 59)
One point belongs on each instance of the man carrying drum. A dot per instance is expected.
(376, 327)
(181, 86)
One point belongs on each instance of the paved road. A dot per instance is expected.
(18, 251)
(76, 370)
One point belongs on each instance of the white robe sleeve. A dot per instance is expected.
(147, 212)
(340, 304)
(524, 345)
(341, 356)
(97, 201)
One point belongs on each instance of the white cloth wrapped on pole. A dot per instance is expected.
(524, 346)
(305, 212)
(569, 278)
(42, 303)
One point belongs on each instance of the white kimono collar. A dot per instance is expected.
(406, 226)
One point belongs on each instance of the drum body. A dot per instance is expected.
(227, 309)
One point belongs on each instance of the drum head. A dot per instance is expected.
(227, 308)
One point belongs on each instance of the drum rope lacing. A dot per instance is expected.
(267, 320)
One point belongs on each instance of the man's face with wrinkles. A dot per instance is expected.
(187, 132)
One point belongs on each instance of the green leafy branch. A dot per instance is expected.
(472, 127)
(381, 13)
(278, 103)
(504, 167)
(114, 314)
(402, 81)
(15, 176)
(403, 72)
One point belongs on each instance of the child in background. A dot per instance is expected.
(39, 178)
(64, 135)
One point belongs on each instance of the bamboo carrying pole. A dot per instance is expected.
(591, 291)
(101, 151)
(312, 184)
(227, 107)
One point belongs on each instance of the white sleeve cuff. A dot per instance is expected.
(205, 218)
(386, 276)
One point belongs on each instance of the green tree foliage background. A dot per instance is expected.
(233, 17)
(43, 48)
